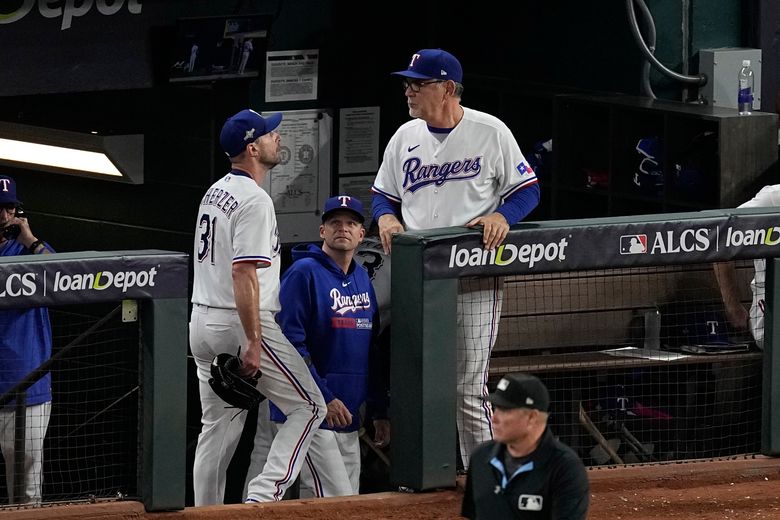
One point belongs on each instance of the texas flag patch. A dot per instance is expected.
(524, 168)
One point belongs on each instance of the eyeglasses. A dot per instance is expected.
(415, 85)
(10, 208)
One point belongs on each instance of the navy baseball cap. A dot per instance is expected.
(709, 327)
(343, 202)
(433, 64)
(243, 128)
(520, 391)
(8, 190)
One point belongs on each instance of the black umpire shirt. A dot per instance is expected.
(550, 483)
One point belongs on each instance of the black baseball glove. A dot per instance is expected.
(235, 390)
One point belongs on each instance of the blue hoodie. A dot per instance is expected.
(25, 342)
(332, 319)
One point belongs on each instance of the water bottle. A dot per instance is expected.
(745, 96)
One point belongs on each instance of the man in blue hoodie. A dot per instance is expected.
(25, 344)
(330, 314)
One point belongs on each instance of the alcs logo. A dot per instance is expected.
(18, 285)
(663, 243)
(70, 10)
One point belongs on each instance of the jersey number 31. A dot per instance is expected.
(208, 227)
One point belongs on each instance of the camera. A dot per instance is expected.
(12, 231)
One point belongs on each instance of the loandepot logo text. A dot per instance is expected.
(506, 254)
(69, 9)
(753, 237)
(103, 280)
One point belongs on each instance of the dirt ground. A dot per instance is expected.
(739, 488)
(744, 488)
(724, 489)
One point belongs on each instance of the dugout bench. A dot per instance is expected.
(594, 332)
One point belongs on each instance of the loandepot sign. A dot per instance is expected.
(103, 280)
(88, 277)
(505, 254)
(545, 247)
(69, 9)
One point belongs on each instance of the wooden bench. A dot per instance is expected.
(546, 317)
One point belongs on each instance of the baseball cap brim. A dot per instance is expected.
(411, 74)
(272, 121)
(721, 343)
(501, 402)
(359, 216)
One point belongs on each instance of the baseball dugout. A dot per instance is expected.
(118, 372)
(621, 318)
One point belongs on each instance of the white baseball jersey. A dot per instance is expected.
(236, 223)
(450, 182)
(444, 180)
(768, 197)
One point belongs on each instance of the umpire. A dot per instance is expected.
(524, 472)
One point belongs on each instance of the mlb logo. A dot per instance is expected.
(529, 503)
(633, 244)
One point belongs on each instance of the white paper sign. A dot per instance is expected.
(300, 183)
(358, 140)
(291, 75)
(359, 186)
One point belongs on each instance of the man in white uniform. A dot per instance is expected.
(725, 272)
(247, 51)
(235, 297)
(454, 166)
(193, 56)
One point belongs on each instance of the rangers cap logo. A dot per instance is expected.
(433, 64)
(8, 190)
(343, 203)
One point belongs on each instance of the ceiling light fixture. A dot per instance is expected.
(113, 157)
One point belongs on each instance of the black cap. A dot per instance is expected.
(521, 391)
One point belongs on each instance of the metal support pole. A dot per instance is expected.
(770, 433)
(20, 435)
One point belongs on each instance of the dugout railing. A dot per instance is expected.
(148, 287)
(427, 266)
